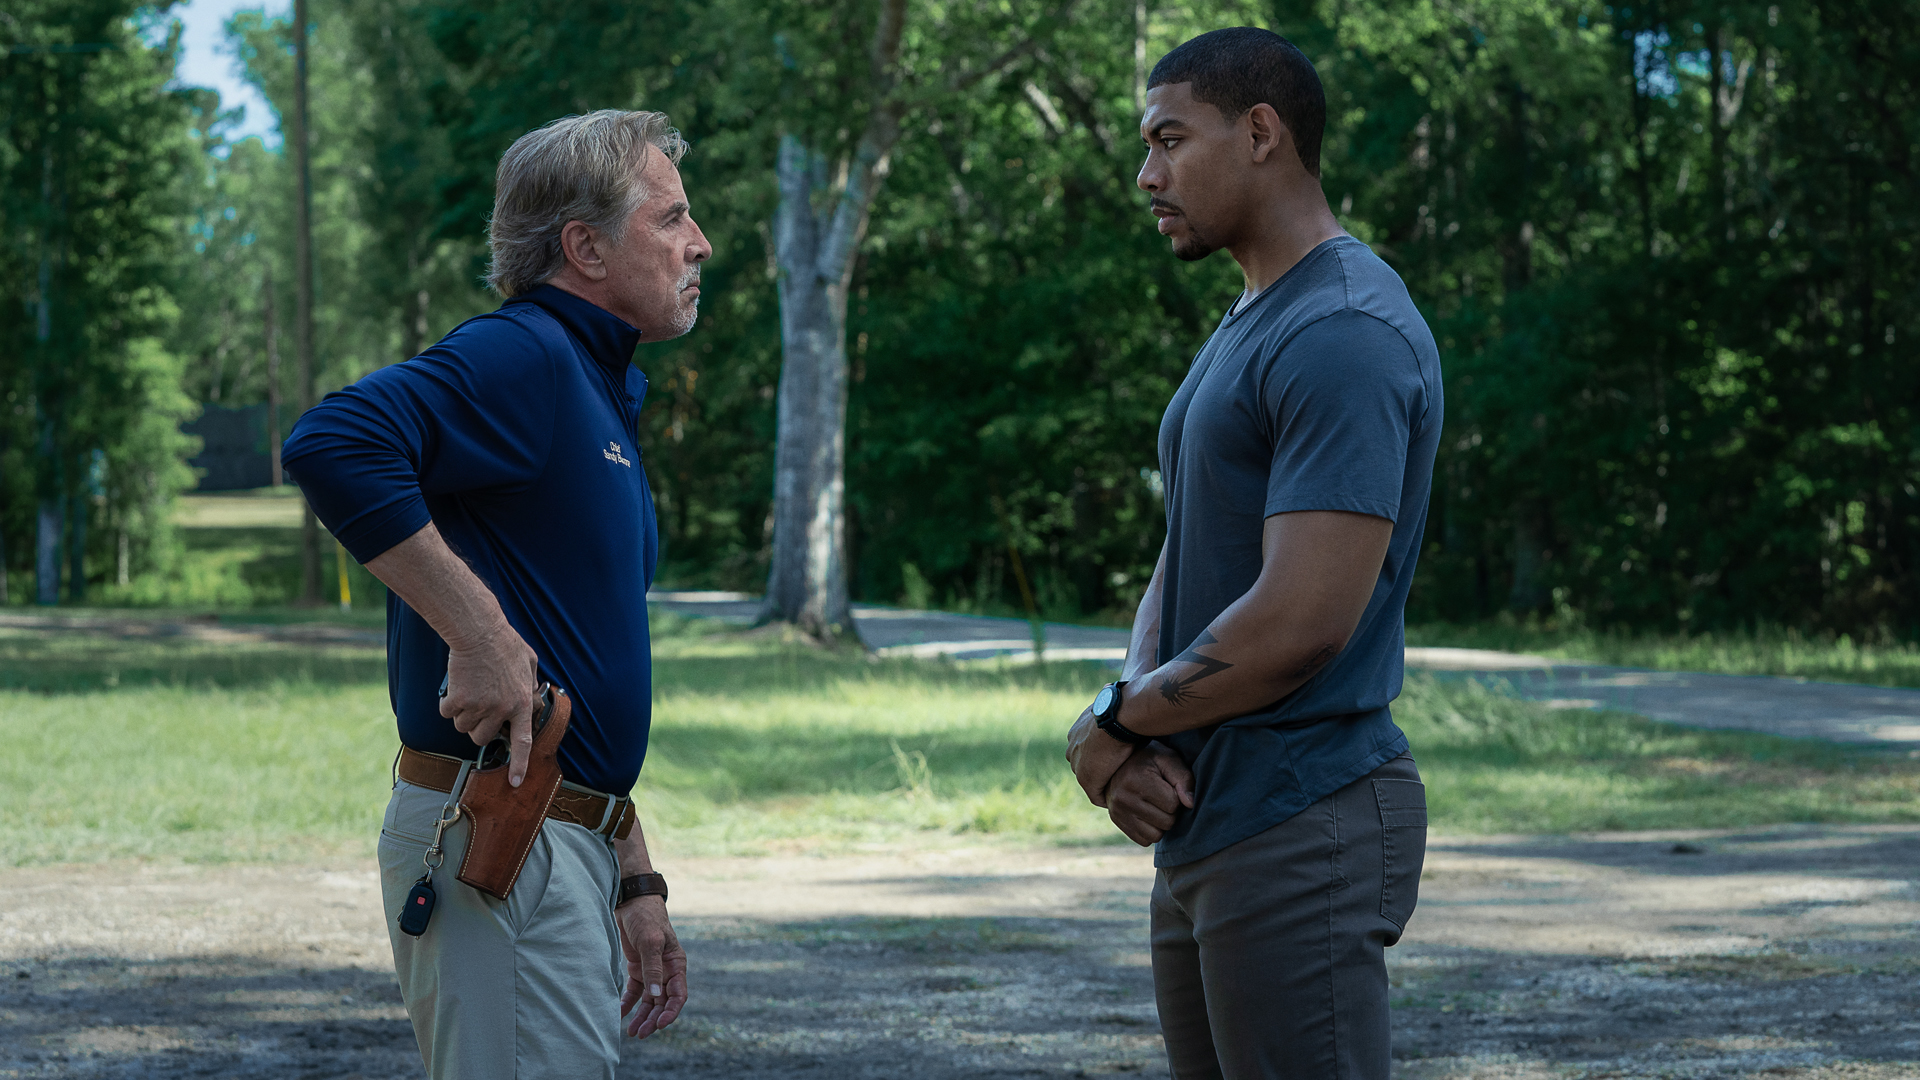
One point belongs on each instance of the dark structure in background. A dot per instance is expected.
(235, 452)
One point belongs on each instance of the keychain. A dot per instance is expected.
(417, 910)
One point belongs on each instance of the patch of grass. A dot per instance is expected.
(196, 773)
(1497, 764)
(240, 566)
(63, 661)
(212, 753)
(238, 550)
(1763, 652)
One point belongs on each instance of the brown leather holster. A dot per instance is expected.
(506, 819)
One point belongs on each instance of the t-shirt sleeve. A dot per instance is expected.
(472, 414)
(1344, 396)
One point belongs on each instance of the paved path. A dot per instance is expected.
(1792, 707)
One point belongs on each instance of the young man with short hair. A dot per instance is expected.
(493, 483)
(1251, 736)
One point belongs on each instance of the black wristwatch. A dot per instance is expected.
(1106, 714)
(632, 888)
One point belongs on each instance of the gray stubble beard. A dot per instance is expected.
(689, 315)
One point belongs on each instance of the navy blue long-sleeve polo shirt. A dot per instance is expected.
(515, 436)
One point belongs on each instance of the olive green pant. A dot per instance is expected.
(526, 988)
(1268, 956)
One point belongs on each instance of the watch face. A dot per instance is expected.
(1103, 701)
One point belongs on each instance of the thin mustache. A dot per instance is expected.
(690, 279)
(1162, 204)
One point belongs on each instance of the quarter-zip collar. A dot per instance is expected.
(606, 336)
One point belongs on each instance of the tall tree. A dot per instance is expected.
(815, 240)
(299, 141)
(95, 154)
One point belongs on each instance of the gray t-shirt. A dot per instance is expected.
(1321, 393)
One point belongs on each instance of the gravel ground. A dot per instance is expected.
(1784, 953)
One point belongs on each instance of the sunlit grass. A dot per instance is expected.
(1765, 652)
(763, 745)
(1497, 764)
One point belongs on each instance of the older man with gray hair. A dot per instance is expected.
(495, 484)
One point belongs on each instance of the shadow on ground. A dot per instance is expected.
(839, 998)
(1852, 852)
(1458, 1012)
(201, 1016)
(951, 998)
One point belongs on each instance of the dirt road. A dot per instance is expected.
(1788, 952)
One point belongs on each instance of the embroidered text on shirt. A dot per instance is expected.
(612, 453)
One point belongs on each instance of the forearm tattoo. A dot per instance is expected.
(1179, 690)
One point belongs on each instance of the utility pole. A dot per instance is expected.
(303, 289)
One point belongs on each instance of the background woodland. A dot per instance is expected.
(1667, 251)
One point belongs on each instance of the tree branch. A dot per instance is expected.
(869, 164)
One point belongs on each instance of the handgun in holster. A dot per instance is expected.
(505, 820)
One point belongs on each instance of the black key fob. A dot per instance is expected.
(418, 908)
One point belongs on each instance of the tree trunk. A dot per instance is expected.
(303, 289)
(46, 563)
(273, 381)
(413, 324)
(807, 582)
(52, 515)
(77, 499)
(1529, 544)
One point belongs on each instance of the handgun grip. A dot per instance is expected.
(506, 819)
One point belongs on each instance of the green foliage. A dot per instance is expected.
(1769, 651)
(1015, 327)
(96, 158)
(1667, 251)
(387, 283)
(1663, 248)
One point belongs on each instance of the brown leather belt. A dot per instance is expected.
(608, 815)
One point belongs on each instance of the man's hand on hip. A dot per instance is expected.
(490, 684)
(490, 671)
(656, 966)
(1148, 792)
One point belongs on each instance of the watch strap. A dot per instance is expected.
(1109, 721)
(638, 885)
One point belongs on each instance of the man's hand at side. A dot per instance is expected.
(656, 966)
(1148, 792)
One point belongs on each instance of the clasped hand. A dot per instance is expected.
(1142, 788)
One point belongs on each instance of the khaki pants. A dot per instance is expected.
(1268, 956)
(526, 988)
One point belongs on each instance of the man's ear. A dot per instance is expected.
(581, 248)
(1269, 134)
